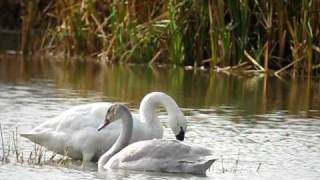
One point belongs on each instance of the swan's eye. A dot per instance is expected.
(110, 110)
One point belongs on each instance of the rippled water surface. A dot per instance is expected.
(259, 128)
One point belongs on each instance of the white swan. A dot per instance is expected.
(151, 155)
(75, 134)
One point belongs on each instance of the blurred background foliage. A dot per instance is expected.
(247, 34)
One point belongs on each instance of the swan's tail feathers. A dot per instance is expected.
(199, 166)
(208, 164)
(28, 135)
(203, 166)
(34, 137)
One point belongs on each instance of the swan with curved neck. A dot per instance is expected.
(75, 129)
(117, 112)
(148, 114)
(151, 155)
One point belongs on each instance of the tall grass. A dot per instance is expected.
(272, 35)
(12, 151)
(176, 45)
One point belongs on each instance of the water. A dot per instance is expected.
(260, 128)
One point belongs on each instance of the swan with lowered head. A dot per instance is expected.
(74, 131)
(151, 155)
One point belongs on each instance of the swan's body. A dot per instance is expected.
(151, 155)
(74, 131)
(162, 156)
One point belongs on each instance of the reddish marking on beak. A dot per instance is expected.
(106, 122)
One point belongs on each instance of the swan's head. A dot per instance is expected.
(178, 125)
(114, 113)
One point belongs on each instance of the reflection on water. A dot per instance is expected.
(259, 128)
(191, 89)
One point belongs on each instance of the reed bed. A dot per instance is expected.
(243, 35)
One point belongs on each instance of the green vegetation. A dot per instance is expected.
(246, 35)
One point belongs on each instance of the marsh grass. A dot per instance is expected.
(38, 155)
(229, 164)
(276, 35)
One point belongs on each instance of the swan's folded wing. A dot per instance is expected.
(193, 165)
(161, 149)
(163, 155)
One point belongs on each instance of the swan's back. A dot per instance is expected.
(163, 155)
(76, 118)
(68, 128)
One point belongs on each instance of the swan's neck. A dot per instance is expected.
(122, 141)
(148, 110)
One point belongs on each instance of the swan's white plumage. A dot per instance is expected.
(75, 130)
(163, 156)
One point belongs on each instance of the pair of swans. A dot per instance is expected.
(74, 132)
(151, 155)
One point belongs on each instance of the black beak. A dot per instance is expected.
(180, 136)
(106, 122)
